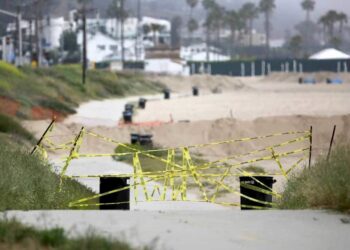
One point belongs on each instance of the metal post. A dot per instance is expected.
(84, 66)
(263, 68)
(310, 151)
(139, 32)
(253, 69)
(122, 31)
(331, 143)
(43, 136)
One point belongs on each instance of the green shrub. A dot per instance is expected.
(14, 233)
(254, 169)
(28, 183)
(9, 125)
(150, 164)
(57, 106)
(60, 87)
(325, 185)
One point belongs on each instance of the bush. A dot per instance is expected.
(325, 185)
(27, 183)
(14, 235)
(9, 125)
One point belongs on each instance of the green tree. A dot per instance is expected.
(116, 10)
(249, 13)
(267, 7)
(69, 45)
(329, 21)
(308, 6)
(295, 45)
(176, 23)
(146, 29)
(68, 41)
(342, 19)
(156, 29)
(235, 23)
(192, 25)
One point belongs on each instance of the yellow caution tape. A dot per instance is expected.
(177, 177)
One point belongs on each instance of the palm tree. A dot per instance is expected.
(267, 7)
(146, 29)
(117, 11)
(308, 6)
(295, 45)
(328, 22)
(209, 4)
(208, 24)
(342, 19)
(218, 14)
(235, 23)
(192, 23)
(156, 28)
(250, 12)
(192, 26)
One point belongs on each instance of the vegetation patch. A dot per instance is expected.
(9, 125)
(148, 163)
(28, 183)
(325, 185)
(254, 169)
(60, 89)
(14, 235)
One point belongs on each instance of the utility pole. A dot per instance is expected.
(38, 32)
(122, 30)
(139, 31)
(17, 15)
(84, 44)
(20, 38)
(82, 13)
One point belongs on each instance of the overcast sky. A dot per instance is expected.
(287, 14)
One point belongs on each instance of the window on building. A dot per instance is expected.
(101, 47)
(113, 47)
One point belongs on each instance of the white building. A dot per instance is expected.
(132, 28)
(101, 47)
(104, 35)
(198, 52)
(52, 29)
(258, 39)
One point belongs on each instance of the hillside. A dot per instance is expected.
(43, 93)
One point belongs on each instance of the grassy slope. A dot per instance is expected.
(325, 185)
(59, 88)
(14, 235)
(27, 182)
(9, 125)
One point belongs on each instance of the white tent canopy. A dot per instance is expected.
(329, 54)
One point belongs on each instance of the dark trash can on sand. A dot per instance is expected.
(134, 138)
(120, 199)
(129, 107)
(142, 103)
(166, 93)
(247, 186)
(127, 116)
(146, 140)
(195, 91)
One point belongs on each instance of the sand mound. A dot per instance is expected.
(206, 83)
(321, 77)
(184, 134)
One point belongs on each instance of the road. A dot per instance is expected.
(205, 230)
